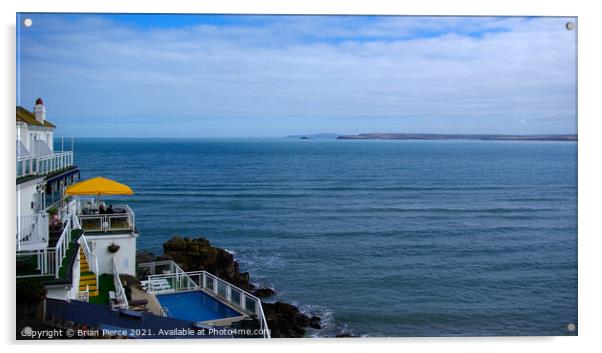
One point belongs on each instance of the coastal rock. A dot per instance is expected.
(263, 292)
(145, 256)
(194, 254)
(285, 320)
(315, 322)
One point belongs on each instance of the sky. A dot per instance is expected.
(112, 75)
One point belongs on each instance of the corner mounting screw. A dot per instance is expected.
(570, 25)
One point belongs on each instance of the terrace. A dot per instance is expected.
(93, 219)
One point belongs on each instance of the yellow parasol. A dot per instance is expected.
(98, 186)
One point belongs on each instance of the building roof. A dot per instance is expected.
(29, 118)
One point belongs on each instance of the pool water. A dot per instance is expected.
(195, 306)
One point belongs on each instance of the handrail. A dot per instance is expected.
(62, 244)
(37, 164)
(119, 291)
(90, 256)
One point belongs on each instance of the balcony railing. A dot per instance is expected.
(40, 165)
(91, 220)
(46, 261)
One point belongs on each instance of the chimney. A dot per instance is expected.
(40, 111)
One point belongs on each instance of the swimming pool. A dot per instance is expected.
(195, 306)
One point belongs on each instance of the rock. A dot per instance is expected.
(194, 254)
(339, 335)
(145, 256)
(263, 292)
(314, 322)
(285, 320)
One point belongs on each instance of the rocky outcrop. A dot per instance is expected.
(194, 254)
(285, 320)
(263, 292)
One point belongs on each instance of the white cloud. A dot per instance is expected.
(480, 73)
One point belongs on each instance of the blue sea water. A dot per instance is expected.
(379, 238)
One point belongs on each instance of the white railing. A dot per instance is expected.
(47, 261)
(32, 165)
(54, 162)
(90, 256)
(179, 280)
(26, 165)
(122, 300)
(122, 218)
(36, 263)
(32, 229)
(62, 245)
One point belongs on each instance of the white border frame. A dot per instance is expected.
(589, 176)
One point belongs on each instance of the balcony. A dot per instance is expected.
(122, 218)
(41, 165)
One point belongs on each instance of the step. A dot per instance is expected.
(93, 293)
(85, 277)
(91, 281)
(86, 287)
(84, 268)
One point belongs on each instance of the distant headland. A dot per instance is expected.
(325, 135)
(403, 136)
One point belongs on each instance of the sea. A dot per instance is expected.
(377, 237)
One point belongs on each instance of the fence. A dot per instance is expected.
(174, 279)
(36, 263)
(31, 165)
(48, 261)
(123, 219)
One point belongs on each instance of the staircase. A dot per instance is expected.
(87, 279)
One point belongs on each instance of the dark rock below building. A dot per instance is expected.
(285, 320)
(263, 292)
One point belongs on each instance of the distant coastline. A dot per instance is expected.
(403, 136)
(326, 135)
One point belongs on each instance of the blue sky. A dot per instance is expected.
(130, 75)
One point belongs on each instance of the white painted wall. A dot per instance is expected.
(23, 134)
(26, 194)
(125, 256)
(28, 133)
(57, 292)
